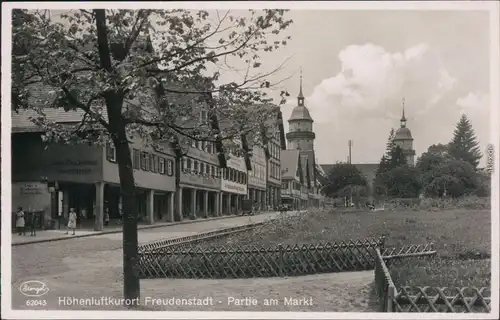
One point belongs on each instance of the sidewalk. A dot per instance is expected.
(56, 235)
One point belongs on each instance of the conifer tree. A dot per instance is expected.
(464, 145)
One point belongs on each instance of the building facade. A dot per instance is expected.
(404, 140)
(274, 172)
(257, 180)
(198, 193)
(56, 177)
(292, 179)
(234, 185)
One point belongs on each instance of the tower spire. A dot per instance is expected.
(403, 118)
(300, 97)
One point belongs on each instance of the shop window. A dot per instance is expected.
(110, 152)
(161, 169)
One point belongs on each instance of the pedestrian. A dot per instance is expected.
(106, 217)
(20, 222)
(71, 221)
(34, 219)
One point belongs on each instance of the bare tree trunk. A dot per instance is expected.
(114, 104)
(131, 284)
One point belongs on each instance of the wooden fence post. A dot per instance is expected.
(390, 296)
(281, 259)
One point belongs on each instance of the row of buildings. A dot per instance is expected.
(54, 178)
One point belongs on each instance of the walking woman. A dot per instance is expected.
(71, 221)
(20, 221)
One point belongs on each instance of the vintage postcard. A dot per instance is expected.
(250, 160)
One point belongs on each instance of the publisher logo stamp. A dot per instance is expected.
(33, 288)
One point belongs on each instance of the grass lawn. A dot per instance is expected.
(461, 237)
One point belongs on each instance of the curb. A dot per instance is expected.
(120, 230)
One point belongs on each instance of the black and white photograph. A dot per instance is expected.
(250, 160)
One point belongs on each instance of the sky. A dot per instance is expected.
(359, 65)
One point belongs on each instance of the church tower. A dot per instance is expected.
(404, 140)
(300, 126)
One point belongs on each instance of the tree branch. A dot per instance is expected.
(74, 101)
(102, 40)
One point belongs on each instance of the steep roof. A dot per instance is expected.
(300, 113)
(403, 134)
(311, 164)
(22, 120)
(289, 163)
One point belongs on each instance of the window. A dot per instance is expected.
(195, 169)
(188, 167)
(144, 161)
(202, 168)
(204, 115)
(110, 152)
(204, 145)
(209, 147)
(207, 169)
(154, 163)
(161, 168)
(136, 163)
(231, 174)
(170, 167)
(244, 178)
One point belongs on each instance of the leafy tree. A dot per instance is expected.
(403, 182)
(430, 161)
(145, 73)
(341, 177)
(464, 145)
(453, 178)
(439, 148)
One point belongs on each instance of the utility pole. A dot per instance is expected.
(350, 144)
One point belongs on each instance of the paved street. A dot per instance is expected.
(85, 266)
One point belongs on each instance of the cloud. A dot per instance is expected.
(372, 83)
(364, 98)
(474, 102)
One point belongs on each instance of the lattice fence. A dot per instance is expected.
(250, 261)
(423, 299)
(429, 299)
(179, 242)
